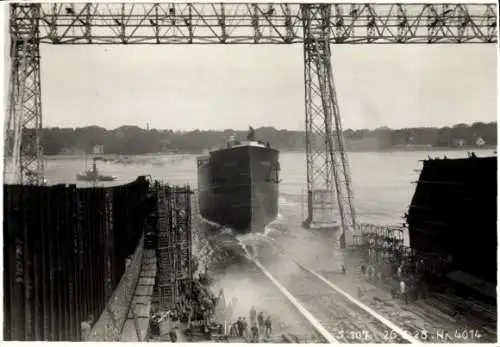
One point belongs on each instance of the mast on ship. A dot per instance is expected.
(251, 134)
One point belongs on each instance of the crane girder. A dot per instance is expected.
(247, 23)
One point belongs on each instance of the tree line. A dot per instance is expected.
(134, 140)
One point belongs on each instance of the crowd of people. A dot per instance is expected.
(253, 329)
(385, 260)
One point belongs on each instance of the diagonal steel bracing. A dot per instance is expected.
(177, 23)
(24, 120)
(327, 166)
(315, 26)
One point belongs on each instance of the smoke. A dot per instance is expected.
(246, 287)
(243, 283)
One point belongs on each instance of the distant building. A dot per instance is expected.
(98, 149)
(480, 142)
(366, 143)
(459, 143)
(70, 151)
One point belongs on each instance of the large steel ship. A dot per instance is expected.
(238, 184)
(453, 214)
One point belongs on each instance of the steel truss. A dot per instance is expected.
(313, 25)
(327, 165)
(97, 23)
(24, 119)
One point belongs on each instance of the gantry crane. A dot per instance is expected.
(319, 27)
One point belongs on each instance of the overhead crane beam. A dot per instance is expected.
(316, 26)
(247, 23)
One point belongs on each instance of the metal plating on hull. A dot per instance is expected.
(238, 185)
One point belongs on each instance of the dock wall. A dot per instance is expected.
(110, 324)
(65, 250)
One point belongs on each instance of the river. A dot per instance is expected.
(382, 181)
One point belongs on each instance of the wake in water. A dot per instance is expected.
(286, 229)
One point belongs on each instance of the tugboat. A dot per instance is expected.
(238, 184)
(93, 175)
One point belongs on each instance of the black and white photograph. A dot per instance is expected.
(312, 172)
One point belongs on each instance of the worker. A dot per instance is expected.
(128, 261)
(221, 298)
(371, 250)
(244, 327)
(86, 327)
(394, 291)
(458, 312)
(239, 323)
(255, 333)
(173, 336)
(360, 293)
(424, 288)
(400, 271)
(403, 291)
(421, 267)
(233, 330)
(253, 316)
(343, 270)
(268, 326)
(206, 316)
(260, 320)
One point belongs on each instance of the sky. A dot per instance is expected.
(220, 87)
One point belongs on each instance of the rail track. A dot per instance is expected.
(251, 282)
(334, 316)
(333, 313)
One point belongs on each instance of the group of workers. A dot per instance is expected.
(258, 326)
(406, 274)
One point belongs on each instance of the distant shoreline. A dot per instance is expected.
(386, 150)
(432, 149)
(409, 149)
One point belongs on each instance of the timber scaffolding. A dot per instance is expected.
(169, 232)
(453, 198)
(384, 246)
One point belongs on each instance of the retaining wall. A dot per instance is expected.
(64, 254)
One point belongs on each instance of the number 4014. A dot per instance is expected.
(471, 334)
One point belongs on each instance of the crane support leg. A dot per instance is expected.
(24, 122)
(329, 192)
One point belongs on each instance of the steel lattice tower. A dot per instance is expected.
(24, 113)
(317, 26)
(327, 165)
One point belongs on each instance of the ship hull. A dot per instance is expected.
(453, 214)
(239, 187)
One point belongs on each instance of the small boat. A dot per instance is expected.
(93, 175)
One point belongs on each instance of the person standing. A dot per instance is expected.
(234, 331)
(244, 327)
(268, 326)
(239, 323)
(253, 316)
(403, 291)
(255, 333)
(260, 320)
(85, 328)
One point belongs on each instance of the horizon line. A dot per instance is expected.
(260, 127)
